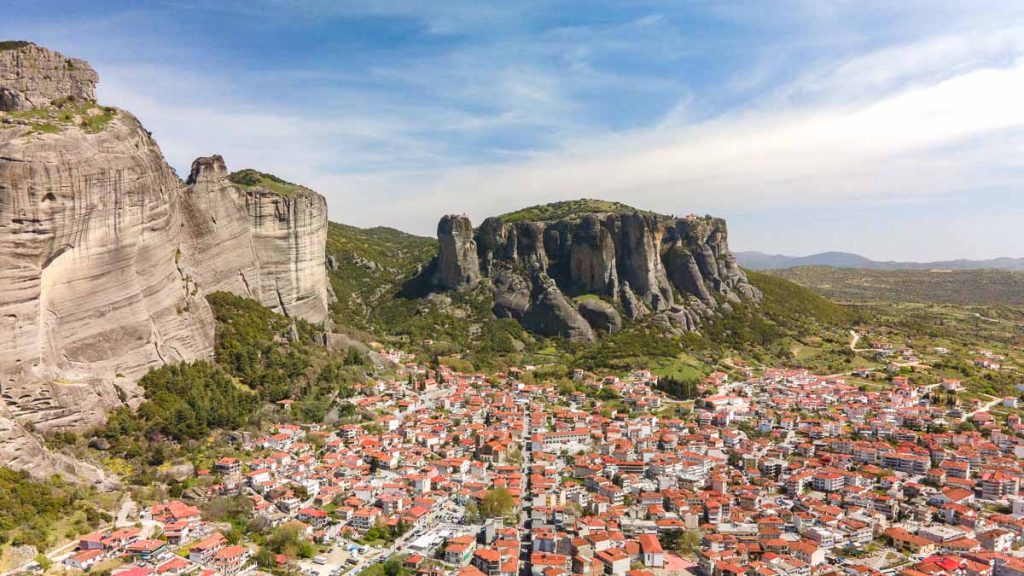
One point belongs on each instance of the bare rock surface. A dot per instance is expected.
(457, 264)
(550, 313)
(106, 256)
(677, 270)
(32, 77)
(601, 315)
(254, 242)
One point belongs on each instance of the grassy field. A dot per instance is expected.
(960, 287)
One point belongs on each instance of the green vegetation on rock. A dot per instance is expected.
(260, 357)
(62, 115)
(568, 209)
(258, 346)
(185, 401)
(249, 178)
(369, 268)
(14, 44)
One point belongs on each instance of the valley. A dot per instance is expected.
(207, 376)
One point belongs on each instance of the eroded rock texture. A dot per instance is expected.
(251, 241)
(105, 258)
(457, 264)
(32, 77)
(678, 271)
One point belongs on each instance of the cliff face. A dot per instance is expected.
(458, 265)
(32, 77)
(679, 271)
(252, 241)
(105, 256)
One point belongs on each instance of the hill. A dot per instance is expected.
(962, 287)
(390, 285)
(762, 261)
(367, 266)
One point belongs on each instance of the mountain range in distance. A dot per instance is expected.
(762, 261)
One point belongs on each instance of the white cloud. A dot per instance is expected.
(902, 147)
(928, 116)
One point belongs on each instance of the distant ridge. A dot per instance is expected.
(762, 261)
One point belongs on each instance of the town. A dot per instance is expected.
(768, 472)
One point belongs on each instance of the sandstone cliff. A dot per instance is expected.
(677, 271)
(105, 255)
(250, 240)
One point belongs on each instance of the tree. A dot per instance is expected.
(472, 513)
(686, 542)
(498, 502)
(392, 567)
(678, 388)
(289, 540)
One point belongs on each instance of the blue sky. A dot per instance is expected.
(892, 129)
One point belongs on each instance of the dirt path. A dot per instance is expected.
(986, 407)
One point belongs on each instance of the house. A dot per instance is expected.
(135, 571)
(204, 550)
(313, 516)
(998, 485)
(84, 559)
(147, 549)
(365, 518)
(459, 550)
(93, 541)
(997, 540)
(118, 539)
(232, 560)
(228, 466)
(616, 562)
(653, 555)
(910, 543)
(173, 567)
(487, 560)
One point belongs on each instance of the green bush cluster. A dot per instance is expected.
(259, 346)
(678, 388)
(186, 401)
(30, 508)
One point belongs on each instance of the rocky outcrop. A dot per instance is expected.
(551, 314)
(592, 263)
(255, 242)
(457, 264)
(105, 256)
(601, 315)
(92, 291)
(634, 308)
(32, 77)
(511, 294)
(678, 271)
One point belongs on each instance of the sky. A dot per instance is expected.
(890, 129)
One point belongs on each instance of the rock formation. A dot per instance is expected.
(105, 255)
(255, 242)
(33, 77)
(457, 265)
(678, 271)
(601, 315)
(551, 313)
